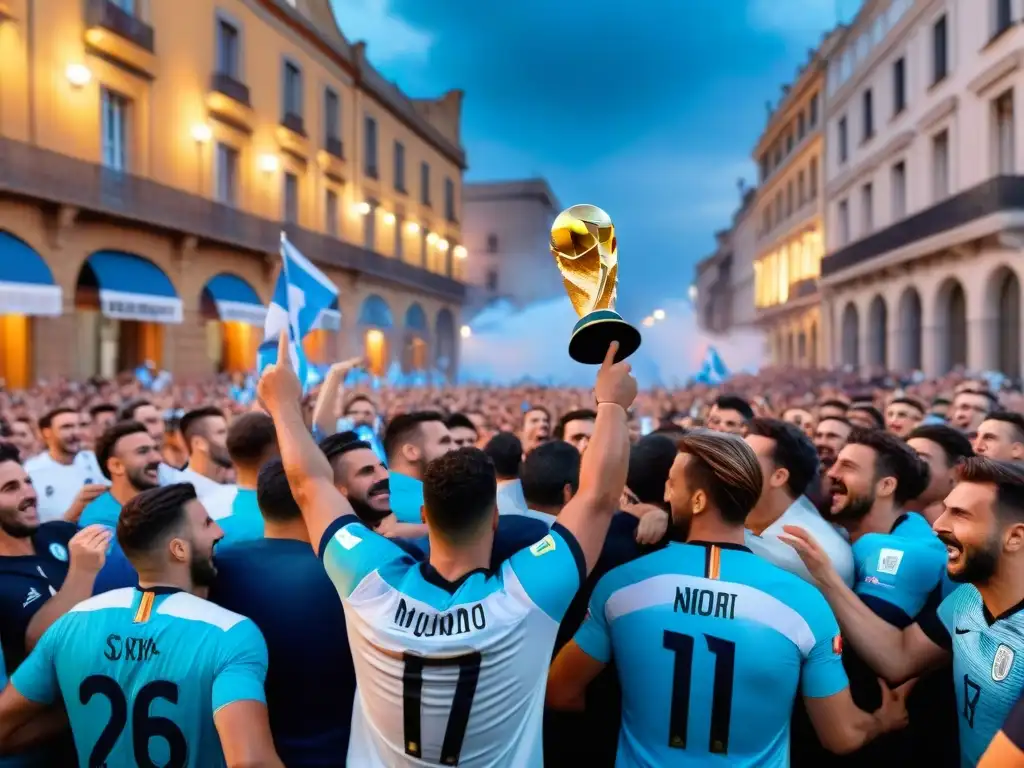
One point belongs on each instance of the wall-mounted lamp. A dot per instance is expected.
(465, 331)
(412, 227)
(431, 238)
(442, 245)
(78, 75)
(361, 209)
(202, 133)
(658, 314)
(460, 252)
(269, 163)
(389, 218)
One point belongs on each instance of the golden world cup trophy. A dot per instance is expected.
(586, 252)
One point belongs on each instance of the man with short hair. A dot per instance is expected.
(550, 476)
(864, 415)
(789, 464)
(831, 435)
(147, 414)
(279, 583)
(411, 442)
(535, 428)
(730, 413)
(23, 438)
(205, 431)
(1001, 436)
(506, 453)
(251, 443)
(463, 432)
(60, 472)
(832, 408)
(970, 408)
(943, 449)
(903, 414)
(576, 428)
(677, 652)
(102, 416)
(130, 460)
(158, 643)
(361, 411)
(800, 417)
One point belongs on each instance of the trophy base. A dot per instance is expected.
(595, 331)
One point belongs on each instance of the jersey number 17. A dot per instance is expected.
(462, 703)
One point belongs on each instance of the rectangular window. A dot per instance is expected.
(449, 200)
(492, 280)
(292, 90)
(399, 166)
(899, 191)
(291, 198)
(1003, 130)
(789, 143)
(814, 111)
(940, 166)
(766, 220)
(778, 207)
(844, 222)
(370, 147)
(332, 117)
(331, 212)
(1002, 16)
(228, 59)
(424, 183)
(867, 208)
(801, 126)
(114, 118)
(764, 166)
(940, 50)
(868, 109)
(843, 148)
(226, 170)
(899, 86)
(801, 189)
(812, 178)
(789, 199)
(370, 228)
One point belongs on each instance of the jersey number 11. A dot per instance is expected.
(721, 695)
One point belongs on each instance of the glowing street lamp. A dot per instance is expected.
(693, 293)
(465, 331)
(658, 314)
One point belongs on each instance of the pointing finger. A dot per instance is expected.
(284, 358)
(609, 358)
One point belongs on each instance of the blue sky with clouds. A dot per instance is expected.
(647, 108)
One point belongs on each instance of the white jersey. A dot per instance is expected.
(449, 673)
(57, 484)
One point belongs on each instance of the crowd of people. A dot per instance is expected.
(799, 568)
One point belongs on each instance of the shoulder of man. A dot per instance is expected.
(55, 532)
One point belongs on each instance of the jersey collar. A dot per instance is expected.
(720, 545)
(160, 590)
(990, 619)
(431, 576)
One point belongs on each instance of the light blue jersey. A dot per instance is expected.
(103, 510)
(406, 498)
(143, 673)
(237, 513)
(987, 675)
(449, 673)
(711, 644)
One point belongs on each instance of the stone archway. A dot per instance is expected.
(850, 329)
(910, 331)
(878, 333)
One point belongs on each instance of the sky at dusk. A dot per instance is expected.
(646, 108)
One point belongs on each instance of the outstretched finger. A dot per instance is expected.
(284, 357)
(609, 358)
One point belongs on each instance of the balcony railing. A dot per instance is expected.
(230, 87)
(294, 123)
(109, 16)
(39, 174)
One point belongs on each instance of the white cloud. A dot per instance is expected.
(799, 21)
(389, 38)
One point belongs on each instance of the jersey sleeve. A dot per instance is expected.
(594, 636)
(822, 672)
(36, 677)
(551, 571)
(242, 670)
(897, 577)
(350, 552)
(937, 622)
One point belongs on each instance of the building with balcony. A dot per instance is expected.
(925, 187)
(152, 153)
(507, 226)
(789, 216)
(723, 288)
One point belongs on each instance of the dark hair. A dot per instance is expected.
(793, 451)
(581, 414)
(505, 451)
(913, 402)
(128, 409)
(403, 427)
(341, 442)
(735, 403)
(672, 431)
(191, 421)
(534, 409)
(649, 462)
(1015, 420)
(834, 403)
(357, 399)
(46, 420)
(953, 442)
(99, 408)
(894, 458)
(106, 444)
(149, 518)
(1006, 476)
(460, 420)
(840, 419)
(941, 401)
(870, 410)
(274, 495)
(546, 471)
(726, 469)
(9, 452)
(459, 490)
(250, 437)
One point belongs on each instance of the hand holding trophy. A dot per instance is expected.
(586, 252)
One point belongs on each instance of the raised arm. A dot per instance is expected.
(325, 413)
(605, 462)
(309, 473)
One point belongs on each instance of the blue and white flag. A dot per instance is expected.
(301, 295)
(713, 370)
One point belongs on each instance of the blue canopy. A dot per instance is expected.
(27, 286)
(134, 288)
(236, 300)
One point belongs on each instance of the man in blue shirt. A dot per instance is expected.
(979, 627)
(280, 584)
(711, 642)
(189, 672)
(130, 459)
(411, 441)
(251, 443)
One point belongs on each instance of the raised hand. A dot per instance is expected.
(278, 384)
(615, 382)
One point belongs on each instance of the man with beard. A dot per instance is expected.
(979, 626)
(60, 472)
(206, 432)
(830, 436)
(279, 583)
(251, 443)
(412, 441)
(711, 642)
(147, 414)
(577, 427)
(130, 460)
(127, 649)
